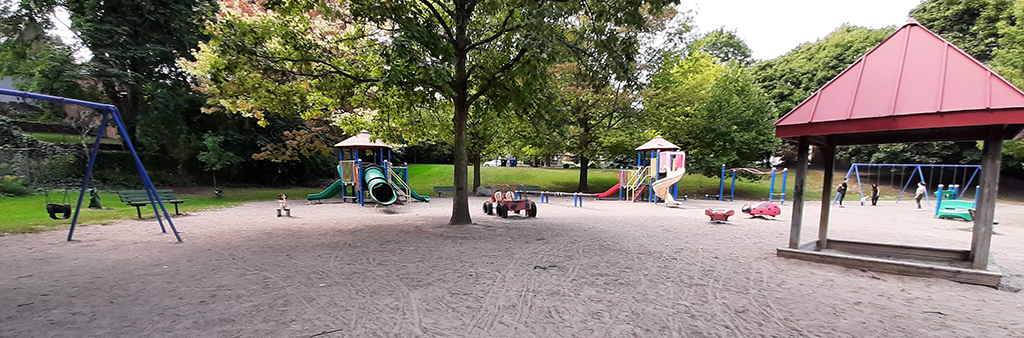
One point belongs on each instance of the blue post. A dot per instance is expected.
(785, 173)
(359, 181)
(145, 176)
(732, 189)
(938, 200)
(975, 195)
(926, 198)
(88, 172)
(860, 188)
(969, 184)
(721, 184)
(656, 176)
(389, 155)
(771, 189)
(639, 159)
(911, 179)
(622, 185)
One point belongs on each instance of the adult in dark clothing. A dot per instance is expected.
(874, 194)
(842, 191)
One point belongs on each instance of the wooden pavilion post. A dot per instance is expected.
(803, 149)
(991, 158)
(828, 155)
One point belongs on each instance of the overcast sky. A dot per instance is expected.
(772, 28)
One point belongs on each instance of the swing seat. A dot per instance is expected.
(54, 209)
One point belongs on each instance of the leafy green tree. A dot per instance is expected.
(724, 45)
(136, 43)
(793, 77)
(734, 127)
(1009, 57)
(216, 158)
(461, 52)
(589, 111)
(972, 25)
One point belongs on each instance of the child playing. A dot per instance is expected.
(842, 191)
(874, 194)
(919, 194)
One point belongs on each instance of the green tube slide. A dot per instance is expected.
(376, 183)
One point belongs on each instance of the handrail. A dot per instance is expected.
(404, 187)
(636, 181)
(638, 177)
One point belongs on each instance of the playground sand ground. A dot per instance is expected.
(610, 269)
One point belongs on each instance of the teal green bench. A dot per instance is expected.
(956, 209)
(443, 189)
(139, 199)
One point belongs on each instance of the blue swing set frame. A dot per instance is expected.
(918, 169)
(110, 113)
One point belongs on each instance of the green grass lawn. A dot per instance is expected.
(69, 138)
(28, 213)
(423, 177)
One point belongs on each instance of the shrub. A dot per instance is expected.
(12, 186)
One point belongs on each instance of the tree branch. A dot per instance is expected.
(501, 31)
(444, 24)
(335, 69)
(504, 69)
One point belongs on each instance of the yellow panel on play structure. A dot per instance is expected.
(347, 170)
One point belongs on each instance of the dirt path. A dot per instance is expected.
(610, 269)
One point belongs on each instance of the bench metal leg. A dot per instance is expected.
(138, 210)
(176, 209)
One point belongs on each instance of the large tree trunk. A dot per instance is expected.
(460, 206)
(460, 84)
(584, 164)
(585, 143)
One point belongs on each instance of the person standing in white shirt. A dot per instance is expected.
(921, 191)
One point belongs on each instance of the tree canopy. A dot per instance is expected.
(339, 58)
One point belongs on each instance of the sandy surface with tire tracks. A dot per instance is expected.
(610, 269)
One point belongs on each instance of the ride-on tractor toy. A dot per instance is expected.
(509, 197)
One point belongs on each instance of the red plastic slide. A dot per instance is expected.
(639, 193)
(611, 192)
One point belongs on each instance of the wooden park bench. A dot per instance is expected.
(531, 188)
(139, 199)
(440, 190)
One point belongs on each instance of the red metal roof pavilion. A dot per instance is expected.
(913, 87)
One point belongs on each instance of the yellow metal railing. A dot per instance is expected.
(637, 178)
(402, 188)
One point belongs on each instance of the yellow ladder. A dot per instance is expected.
(637, 178)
